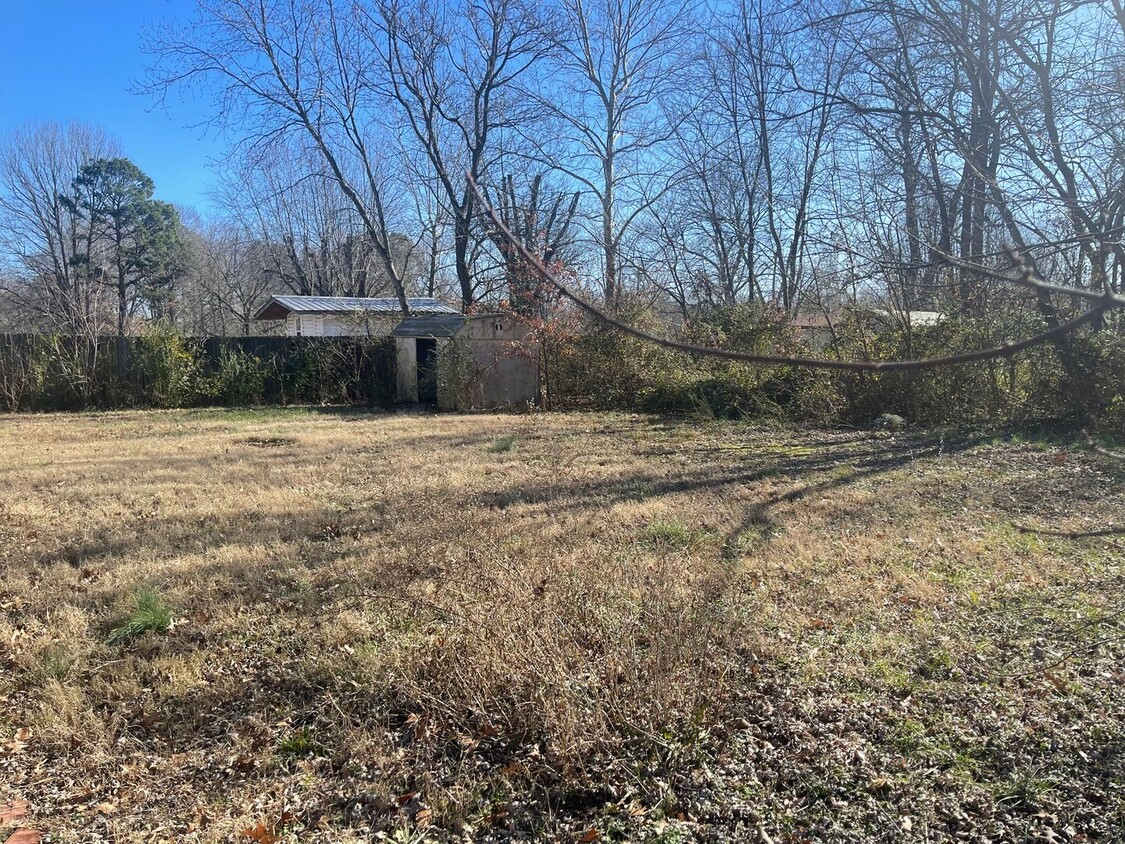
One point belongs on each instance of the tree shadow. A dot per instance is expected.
(865, 458)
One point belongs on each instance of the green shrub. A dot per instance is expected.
(456, 373)
(172, 370)
(1079, 384)
(163, 368)
(240, 379)
(23, 373)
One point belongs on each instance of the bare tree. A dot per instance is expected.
(452, 71)
(40, 234)
(281, 69)
(1097, 305)
(229, 281)
(541, 220)
(313, 241)
(619, 64)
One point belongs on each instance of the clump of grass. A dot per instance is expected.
(937, 665)
(299, 744)
(668, 533)
(503, 445)
(56, 663)
(150, 614)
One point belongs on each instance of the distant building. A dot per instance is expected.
(916, 319)
(817, 328)
(343, 316)
(458, 361)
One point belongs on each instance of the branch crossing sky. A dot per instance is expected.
(77, 60)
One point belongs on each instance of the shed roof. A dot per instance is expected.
(430, 325)
(279, 307)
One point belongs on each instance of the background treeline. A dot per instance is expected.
(695, 166)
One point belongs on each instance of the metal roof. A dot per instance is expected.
(918, 318)
(278, 307)
(430, 326)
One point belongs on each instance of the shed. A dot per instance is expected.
(343, 316)
(458, 361)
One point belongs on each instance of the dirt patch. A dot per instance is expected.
(269, 442)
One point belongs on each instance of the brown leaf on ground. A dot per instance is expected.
(260, 834)
(25, 836)
(12, 811)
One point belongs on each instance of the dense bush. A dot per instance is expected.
(170, 371)
(165, 369)
(240, 379)
(1081, 384)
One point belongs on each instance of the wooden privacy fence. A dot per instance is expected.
(162, 369)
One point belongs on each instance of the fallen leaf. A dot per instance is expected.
(260, 834)
(25, 836)
(591, 835)
(19, 741)
(12, 811)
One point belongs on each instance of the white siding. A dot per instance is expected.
(340, 325)
(304, 325)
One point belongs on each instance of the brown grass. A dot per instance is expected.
(448, 627)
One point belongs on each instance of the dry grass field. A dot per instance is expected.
(281, 626)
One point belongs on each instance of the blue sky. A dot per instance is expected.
(66, 60)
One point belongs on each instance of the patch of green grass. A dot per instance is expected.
(300, 744)
(502, 445)
(748, 539)
(937, 664)
(668, 533)
(149, 615)
(890, 673)
(56, 663)
(908, 736)
(1022, 789)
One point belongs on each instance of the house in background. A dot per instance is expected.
(815, 328)
(818, 328)
(459, 361)
(343, 316)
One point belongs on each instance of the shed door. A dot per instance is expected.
(426, 351)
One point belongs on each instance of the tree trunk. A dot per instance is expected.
(609, 250)
(461, 234)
